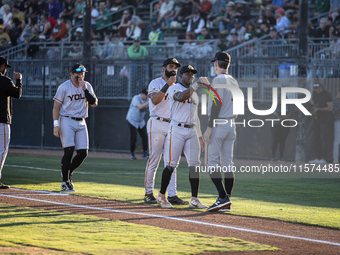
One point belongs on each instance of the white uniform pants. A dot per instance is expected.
(73, 133)
(157, 133)
(5, 134)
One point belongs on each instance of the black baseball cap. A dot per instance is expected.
(4, 61)
(171, 61)
(187, 68)
(145, 91)
(221, 55)
(78, 68)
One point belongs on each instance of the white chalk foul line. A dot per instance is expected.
(174, 218)
(55, 170)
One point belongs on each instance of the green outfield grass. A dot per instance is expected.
(74, 233)
(308, 201)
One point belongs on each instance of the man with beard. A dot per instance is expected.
(157, 128)
(185, 134)
(7, 91)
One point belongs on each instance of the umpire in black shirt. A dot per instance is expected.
(7, 91)
(322, 111)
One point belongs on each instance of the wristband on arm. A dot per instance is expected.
(165, 88)
(92, 99)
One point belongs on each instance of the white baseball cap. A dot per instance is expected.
(79, 29)
(42, 37)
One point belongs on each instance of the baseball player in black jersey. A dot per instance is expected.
(69, 112)
(7, 91)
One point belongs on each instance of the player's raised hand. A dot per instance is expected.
(56, 131)
(203, 80)
(172, 80)
(82, 83)
(17, 75)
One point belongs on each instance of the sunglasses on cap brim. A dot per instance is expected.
(316, 85)
(79, 70)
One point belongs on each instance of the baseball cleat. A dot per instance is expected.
(3, 186)
(220, 203)
(161, 199)
(132, 157)
(175, 200)
(150, 199)
(145, 155)
(227, 209)
(65, 186)
(196, 203)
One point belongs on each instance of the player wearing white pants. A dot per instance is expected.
(220, 135)
(184, 134)
(7, 91)
(69, 112)
(157, 128)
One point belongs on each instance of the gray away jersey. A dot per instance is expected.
(74, 103)
(225, 94)
(163, 108)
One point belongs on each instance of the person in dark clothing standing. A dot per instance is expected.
(7, 91)
(322, 109)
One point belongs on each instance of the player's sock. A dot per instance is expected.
(66, 162)
(166, 176)
(229, 179)
(194, 178)
(78, 159)
(216, 178)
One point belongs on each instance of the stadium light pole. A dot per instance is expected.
(300, 153)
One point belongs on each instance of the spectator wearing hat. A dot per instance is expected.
(321, 6)
(59, 31)
(6, 16)
(53, 8)
(94, 16)
(136, 51)
(3, 34)
(239, 29)
(156, 36)
(234, 40)
(227, 23)
(264, 28)
(136, 121)
(78, 35)
(217, 13)
(243, 11)
(68, 9)
(16, 13)
(195, 24)
(282, 22)
(165, 11)
(274, 40)
(125, 22)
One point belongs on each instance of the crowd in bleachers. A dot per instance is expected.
(230, 22)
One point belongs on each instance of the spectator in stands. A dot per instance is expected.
(165, 11)
(234, 40)
(243, 11)
(32, 9)
(294, 20)
(227, 23)
(334, 8)
(15, 31)
(119, 50)
(78, 15)
(94, 16)
(133, 31)
(104, 18)
(68, 29)
(45, 27)
(206, 34)
(136, 51)
(4, 44)
(59, 31)
(321, 6)
(323, 30)
(276, 4)
(186, 12)
(124, 23)
(68, 10)
(322, 110)
(335, 47)
(264, 28)
(78, 36)
(239, 29)
(156, 38)
(175, 12)
(25, 37)
(203, 49)
(282, 22)
(205, 8)
(217, 13)
(269, 16)
(291, 5)
(6, 17)
(53, 8)
(42, 8)
(336, 112)
(3, 34)
(195, 24)
(146, 30)
(16, 13)
(250, 32)
(335, 26)
(107, 49)
(274, 40)
(189, 46)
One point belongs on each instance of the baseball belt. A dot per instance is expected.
(163, 119)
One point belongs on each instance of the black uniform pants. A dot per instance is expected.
(133, 137)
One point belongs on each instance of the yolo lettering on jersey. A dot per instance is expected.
(163, 108)
(73, 100)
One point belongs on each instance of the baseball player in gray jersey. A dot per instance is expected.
(220, 138)
(157, 128)
(184, 134)
(69, 112)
